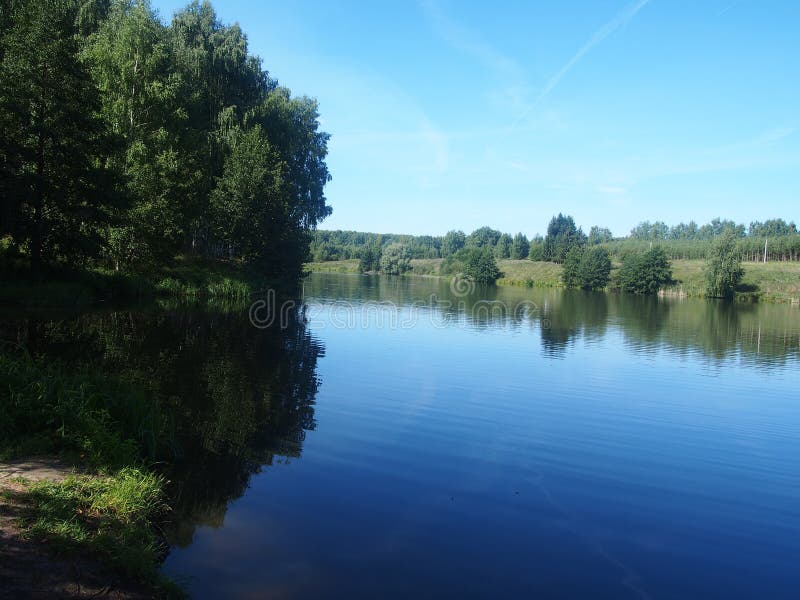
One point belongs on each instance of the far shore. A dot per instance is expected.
(777, 281)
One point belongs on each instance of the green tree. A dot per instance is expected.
(252, 215)
(56, 190)
(483, 237)
(645, 272)
(587, 267)
(562, 234)
(395, 259)
(503, 247)
(571, 273)
(452, 242)
(520, 247)
(599, 235)
(595, 268)
(480, 265)
(370, 258)
(724, 267)
(143, 104)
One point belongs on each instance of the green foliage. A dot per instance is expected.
(54, 187)
(536, 252)
(109, 422)
(503, 247)
(109, 517)
(562, 235)
(587, 268)
(645, 272)
(771, 228)
(370, 259)
(125, 142)
(479, 264)
(395, 259)
(452, 242)
(572, 267)
(483, 237)
(520, 247)
(599, 235)
(724, 268)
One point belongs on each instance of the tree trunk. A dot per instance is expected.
(38, 208)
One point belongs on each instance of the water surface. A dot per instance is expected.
(411, 438)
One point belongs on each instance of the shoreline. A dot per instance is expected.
(773, 282)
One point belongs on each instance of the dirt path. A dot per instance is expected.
(27, 568)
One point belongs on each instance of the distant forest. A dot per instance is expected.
(682, 241)
(126, 141)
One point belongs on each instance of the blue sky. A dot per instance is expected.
(452, 115)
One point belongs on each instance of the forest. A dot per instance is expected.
(126, 142)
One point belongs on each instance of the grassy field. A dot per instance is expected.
(334, 266)
(770, 282)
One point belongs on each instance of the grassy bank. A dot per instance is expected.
(105, 427)
(769, 282)
(185, 278)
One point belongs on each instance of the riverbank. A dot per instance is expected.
(62, 286)
(98, 503)
(767, 282)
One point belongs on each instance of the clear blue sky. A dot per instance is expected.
(447, 114)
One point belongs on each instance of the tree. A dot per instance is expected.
(143, 98)
(370, 258)
(480, 265)
(599, 235)
(771, 228)
(503, 247)
(251, 213)
(562, 234)
(395, 259)
(520, 247)
(588, 268)
(452, 242)
(536, 251)
(570, 274)
(483, 237)
(645, 272)
(724, 268)
(57, 191)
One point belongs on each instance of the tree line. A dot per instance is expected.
(125, 141)
(683, 241)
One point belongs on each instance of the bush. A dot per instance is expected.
(646, 272)
(724, 268)
(395, 259)
(589, 269)
(479, 265)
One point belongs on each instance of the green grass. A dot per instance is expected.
(770, 282)
(111, 427)
(334, 266)
(530, 273)
(109, 517)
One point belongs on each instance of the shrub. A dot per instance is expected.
(646, 272)
(479, 265)
(395, 259)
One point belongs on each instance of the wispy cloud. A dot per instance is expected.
(620, 20)
(470, 42)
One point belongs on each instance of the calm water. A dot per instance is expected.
(409, 438)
